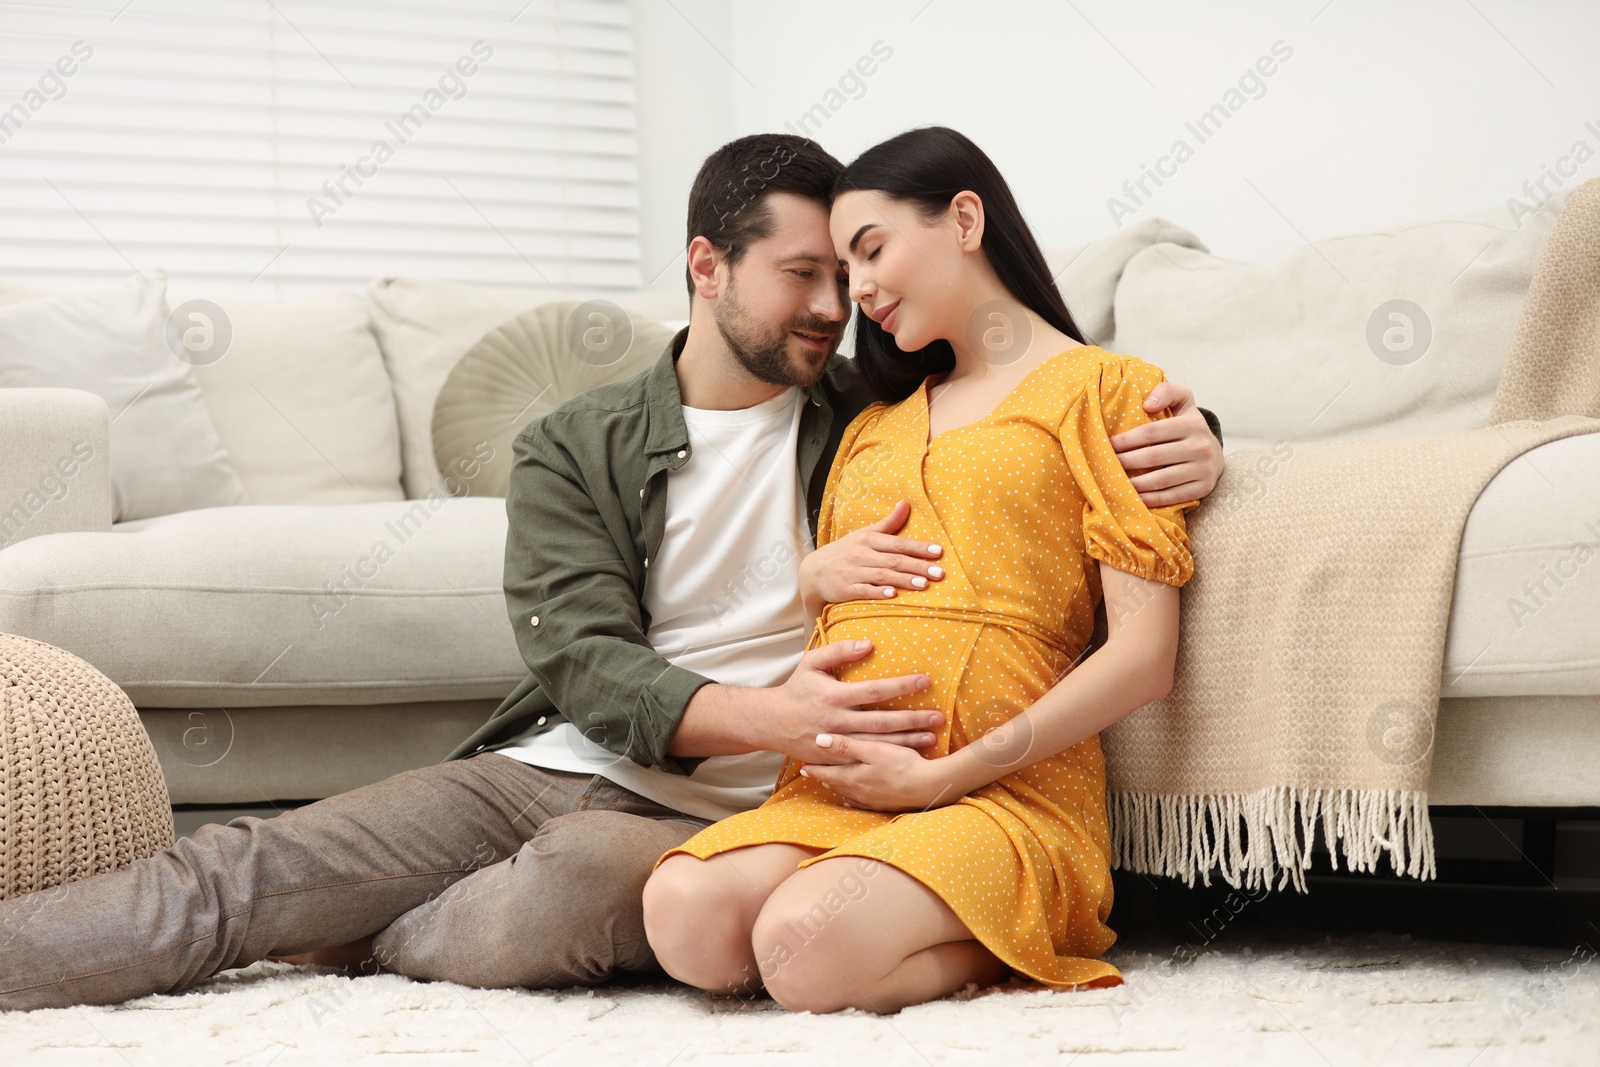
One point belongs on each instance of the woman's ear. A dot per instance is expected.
(967, 210)
(703, 261)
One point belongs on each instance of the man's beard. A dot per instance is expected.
(764, 351)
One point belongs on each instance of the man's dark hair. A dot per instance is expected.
(727, 204)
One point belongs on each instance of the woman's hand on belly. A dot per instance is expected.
(868, 564)
(884, 777)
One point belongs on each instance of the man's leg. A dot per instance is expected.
(565, 910)
(321, 875)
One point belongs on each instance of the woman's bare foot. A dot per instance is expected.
(356, 956)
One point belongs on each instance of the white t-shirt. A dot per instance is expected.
(723, 595)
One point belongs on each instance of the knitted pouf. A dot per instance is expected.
(81, 792)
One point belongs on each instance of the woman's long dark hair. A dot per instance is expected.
(928, 167)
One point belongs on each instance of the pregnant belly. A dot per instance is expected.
(982, 673)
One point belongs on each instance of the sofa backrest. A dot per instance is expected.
(1393, 333)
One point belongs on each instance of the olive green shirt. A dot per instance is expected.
(586, 510)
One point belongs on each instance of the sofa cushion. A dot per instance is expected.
(1527, 591)
(278, 605)
(1393, 333)
(302, 401)
(425, 326)
(165, 453)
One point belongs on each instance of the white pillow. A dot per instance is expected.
(1394, 333)
(425, 326)
(302, 401)
(165, 453)
(1088, 274)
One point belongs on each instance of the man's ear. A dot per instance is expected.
(703, 262)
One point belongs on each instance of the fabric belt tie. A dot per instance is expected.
(868, 609)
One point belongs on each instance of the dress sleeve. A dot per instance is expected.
(840, 478)
(1119, 529)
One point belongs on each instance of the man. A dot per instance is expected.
(656, 526)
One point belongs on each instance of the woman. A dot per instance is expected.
(902, 877)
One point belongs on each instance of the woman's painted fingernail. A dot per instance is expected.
(824, 740)
(919, 582)
(888, 590)
(934, 550)
(936, 571)
(803, 773)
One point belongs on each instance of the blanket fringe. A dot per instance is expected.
(1250, 837)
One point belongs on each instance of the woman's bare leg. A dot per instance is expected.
(852, 932)
(698, 914)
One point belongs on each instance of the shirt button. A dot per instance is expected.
(682, 453)
(647, 561)
(534, 620)
(641, 494)
(540, 722)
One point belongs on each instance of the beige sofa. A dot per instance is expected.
(274, 655)
(348, 622)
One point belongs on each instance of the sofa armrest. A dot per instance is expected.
(55, 463)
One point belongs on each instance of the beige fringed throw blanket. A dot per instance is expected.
(1313, 635)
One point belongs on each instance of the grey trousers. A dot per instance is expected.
(485, 871)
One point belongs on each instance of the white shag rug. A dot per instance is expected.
(1249, 997)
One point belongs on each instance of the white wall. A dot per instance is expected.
(1384, 113)
(686, 109)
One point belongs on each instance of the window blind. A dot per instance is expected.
(286, 146)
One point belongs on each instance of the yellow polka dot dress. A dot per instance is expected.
(1023, 501)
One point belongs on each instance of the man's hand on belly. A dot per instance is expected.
(814, 702)
(726, 719)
